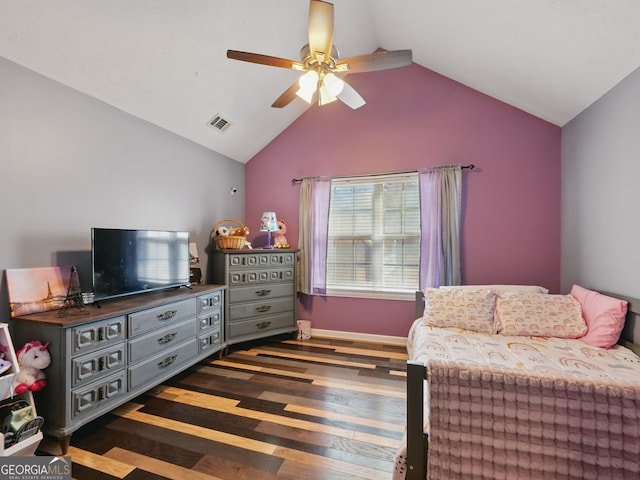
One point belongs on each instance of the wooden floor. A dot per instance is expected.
(319, 409)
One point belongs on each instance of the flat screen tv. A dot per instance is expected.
(127, 262)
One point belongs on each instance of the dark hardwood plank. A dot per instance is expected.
(283, 409)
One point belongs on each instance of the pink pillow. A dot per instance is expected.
(604, 316)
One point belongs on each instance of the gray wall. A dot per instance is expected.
(600, 193)
(70, 162)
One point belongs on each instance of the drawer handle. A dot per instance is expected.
(167, 315)
(263, 293)
(167, 338)
(108, 332)
(167, 361)
(263, 325)
(210, 302)
(263, 308)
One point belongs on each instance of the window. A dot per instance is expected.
(374, 236)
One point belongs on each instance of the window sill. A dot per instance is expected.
(402, 296)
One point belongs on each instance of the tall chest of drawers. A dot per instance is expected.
(114, 353)
(261, 292)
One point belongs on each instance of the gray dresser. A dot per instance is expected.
(261, 294)
(116, 352)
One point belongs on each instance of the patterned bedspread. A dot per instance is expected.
(553, 356)
(565, 409)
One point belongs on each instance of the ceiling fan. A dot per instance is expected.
(321, 62)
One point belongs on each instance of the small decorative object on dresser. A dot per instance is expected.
(195, 272)
(280, 237)
(37, 289)
(268, 223)
(260, 298)
(230, 237)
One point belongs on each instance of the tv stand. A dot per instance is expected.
(119, 350)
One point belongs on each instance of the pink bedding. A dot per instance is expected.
(554, 356)
(527, 407)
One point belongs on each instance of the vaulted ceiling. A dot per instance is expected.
(165, 60)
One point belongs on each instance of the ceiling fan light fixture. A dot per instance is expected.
(308, 85)
(307, 96)
(334, 84)
(309, 81)
(325, 95)
(320, 59)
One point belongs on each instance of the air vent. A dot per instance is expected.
(219, 123)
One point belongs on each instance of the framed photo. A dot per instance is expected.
(33, 290)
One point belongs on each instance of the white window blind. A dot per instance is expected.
(374, 234)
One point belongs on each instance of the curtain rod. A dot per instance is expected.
(471, 166)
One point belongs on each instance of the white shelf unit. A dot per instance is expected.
(29, 445)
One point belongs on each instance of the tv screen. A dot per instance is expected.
(125, 262)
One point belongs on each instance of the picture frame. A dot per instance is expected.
(34, 290)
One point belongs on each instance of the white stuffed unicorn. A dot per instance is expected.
(33, 357)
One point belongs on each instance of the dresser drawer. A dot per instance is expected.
(271, 259)
(162, 365)
(254, 277)
(262, 326)
(210, 322)
(108, 390)
(93, 336)
(253, 293)
(209, 302)
(145, 320)
(158, 341)
(260, 309)
(97, 364)
(209, 342)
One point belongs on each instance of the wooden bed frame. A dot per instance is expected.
(417, 439)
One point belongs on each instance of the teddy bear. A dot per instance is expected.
(279, 237)
(33, 357)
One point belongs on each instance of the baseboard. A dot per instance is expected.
(362, 337)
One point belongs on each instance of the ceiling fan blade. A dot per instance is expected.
(264, 59)
(320, 29)
(350, 97)
(375, 61)
(287, 96)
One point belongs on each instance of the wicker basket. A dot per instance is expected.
(230, 242)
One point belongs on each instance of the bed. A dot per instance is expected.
(486, 399)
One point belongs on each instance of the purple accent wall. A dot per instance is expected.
(417, 118)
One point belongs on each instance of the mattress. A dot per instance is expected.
(570, 358)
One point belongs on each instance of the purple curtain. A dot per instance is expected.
(440, 215)
(313, 225)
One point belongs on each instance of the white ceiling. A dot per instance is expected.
(165, 60)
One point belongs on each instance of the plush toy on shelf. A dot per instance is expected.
(33, 357)
(280, 237)
(221, 231)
